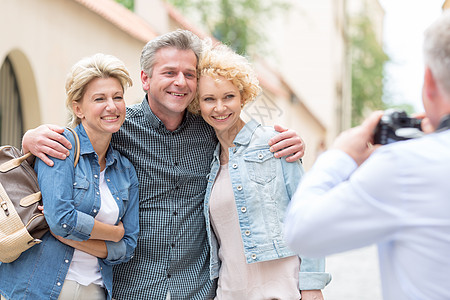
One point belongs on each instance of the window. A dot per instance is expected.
(11, 124)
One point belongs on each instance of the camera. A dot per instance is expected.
(395, 125)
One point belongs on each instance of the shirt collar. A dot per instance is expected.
(156, 122)
(444, 124)
(85, 143)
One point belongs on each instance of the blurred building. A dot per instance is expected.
(312, 56)
(306, 81)
(446, 4)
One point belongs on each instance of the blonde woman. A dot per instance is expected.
(248, 192)
(92, 210)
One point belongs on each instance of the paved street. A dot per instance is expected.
(355, 275)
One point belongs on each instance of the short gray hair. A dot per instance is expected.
(436, 49)
(179, 39)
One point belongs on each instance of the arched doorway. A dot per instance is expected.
(11, 119)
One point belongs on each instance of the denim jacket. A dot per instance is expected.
(71, 201)
(263, 186)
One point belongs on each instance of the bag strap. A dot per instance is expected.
(14, 163)
(76, 146)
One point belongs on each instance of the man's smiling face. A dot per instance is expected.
(173, 84)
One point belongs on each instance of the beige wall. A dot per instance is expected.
(45, 38)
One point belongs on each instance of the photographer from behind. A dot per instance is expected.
(397, 195)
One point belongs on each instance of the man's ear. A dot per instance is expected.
(144, 80)
(429, 84)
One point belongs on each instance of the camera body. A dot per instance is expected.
(395, 125)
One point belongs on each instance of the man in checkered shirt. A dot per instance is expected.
(171, 150)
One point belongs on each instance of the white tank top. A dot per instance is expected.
(84, 267)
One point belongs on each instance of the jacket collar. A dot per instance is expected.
(243, 137)
(86, 146)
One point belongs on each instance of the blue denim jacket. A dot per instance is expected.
(71, 201)
(263, 186)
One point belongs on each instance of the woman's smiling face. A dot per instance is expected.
(102, 107)
(220, 104)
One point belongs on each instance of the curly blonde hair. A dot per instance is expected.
(221, 61)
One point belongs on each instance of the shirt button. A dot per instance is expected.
(117, 198)
(234, 150)
(254, 256)
(95, 210)
(58, 283)
(66, 261)
(234, 166)
(108, 180)
(64, 225)
(247, 232)
(239, 187)
(243, 209)
(74, 183)
(98, 193)
(95, 175)
(260, 156)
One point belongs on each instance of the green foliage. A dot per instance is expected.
(407, 107)
(237, 23)
(368, 60)
(127, 3)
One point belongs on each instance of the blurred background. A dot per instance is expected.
(323, 65)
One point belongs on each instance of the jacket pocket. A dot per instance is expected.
(80, 187)
(124, 197)
(261, 165)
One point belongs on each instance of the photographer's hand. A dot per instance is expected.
(426, 125)
(357, 141)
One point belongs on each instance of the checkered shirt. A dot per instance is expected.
(172, 252)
